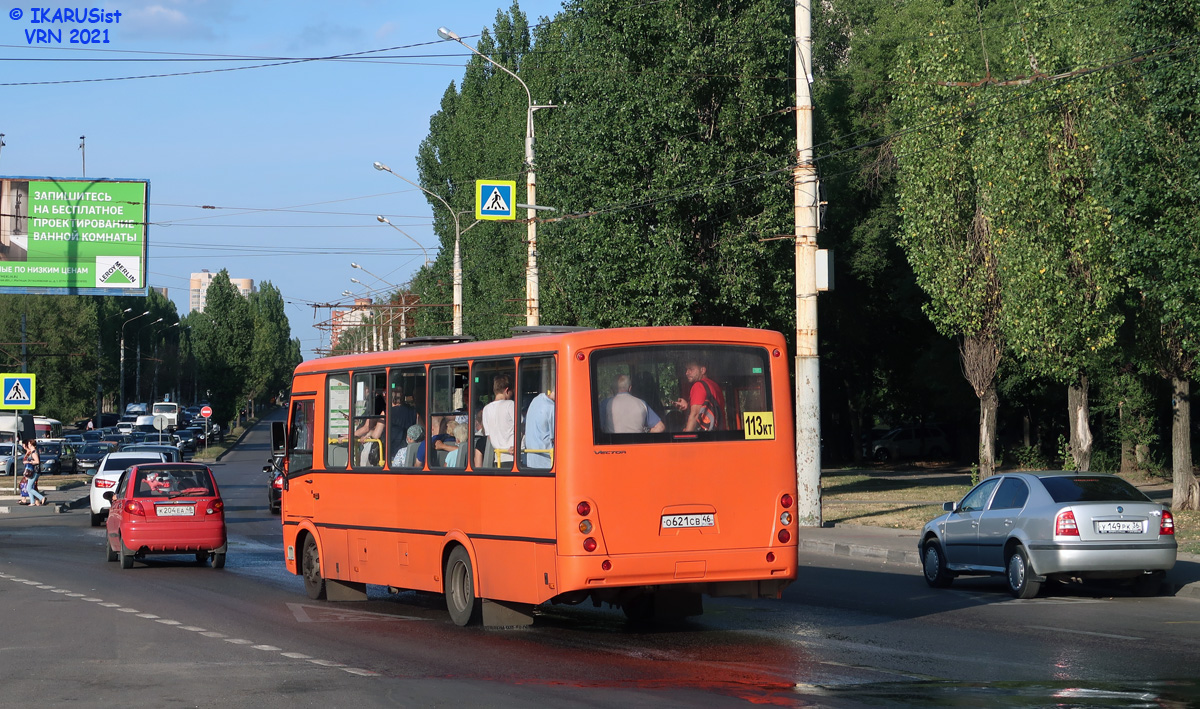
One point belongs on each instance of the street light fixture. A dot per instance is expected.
(121, 399)
(457, 269)
(99, 354)
(137, 380)
(532, 302)
(383, 220)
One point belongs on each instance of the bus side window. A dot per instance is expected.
(337, 422)
(300, 438)
(406, 408)
(370, 405)
(493, 391)
(447, 404)
(536, 398)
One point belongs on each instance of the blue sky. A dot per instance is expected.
(283, 152)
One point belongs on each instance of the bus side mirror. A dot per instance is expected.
(278, 437)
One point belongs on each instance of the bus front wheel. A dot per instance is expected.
(310, 567)
(459, 585)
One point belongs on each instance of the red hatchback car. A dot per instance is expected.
(166, 508)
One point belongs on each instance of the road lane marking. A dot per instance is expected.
(301, 612)
(359, 672)
(1085, 632)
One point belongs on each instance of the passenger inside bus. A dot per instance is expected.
(401, 415)
(499, 418)
(457, 458)
(625, 413)
(444, 441)
(705, 402)
(539, 431)
(369, 434)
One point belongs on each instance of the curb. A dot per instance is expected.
(861, 551)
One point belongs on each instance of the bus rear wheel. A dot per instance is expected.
(310, 568)
(459, 585)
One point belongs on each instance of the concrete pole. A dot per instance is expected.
(532, 300)
(808, 401)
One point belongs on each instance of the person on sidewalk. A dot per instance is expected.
(32, 461)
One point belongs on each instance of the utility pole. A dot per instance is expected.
(808, 382)
(83, 154)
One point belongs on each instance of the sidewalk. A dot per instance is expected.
(59, 501)
(899, 546)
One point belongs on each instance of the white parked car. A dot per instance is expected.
(9, 462)
(108, 474)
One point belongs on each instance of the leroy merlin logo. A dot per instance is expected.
(118, 271)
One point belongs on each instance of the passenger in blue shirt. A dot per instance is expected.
(539, 431)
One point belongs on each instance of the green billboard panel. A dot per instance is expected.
(73, 236)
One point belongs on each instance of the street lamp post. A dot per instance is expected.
(122, 397)
(532, 302)
(137, 380)
(384, 220)
(99, 356)
(157, 361)
(457, 273)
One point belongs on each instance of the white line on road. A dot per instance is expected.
(1084, 632)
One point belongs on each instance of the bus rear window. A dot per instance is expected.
(681, 393)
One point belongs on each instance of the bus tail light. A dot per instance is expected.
(589, 544)
(786, 501)
(133, 507)
(770, 557)
(784, 536)
(583, 508)
(606, 565)
(586, 526)
(1167, 524)
(785, 519)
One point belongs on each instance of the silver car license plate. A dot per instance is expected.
(684, 521)
(1120, 527)
(175, 510)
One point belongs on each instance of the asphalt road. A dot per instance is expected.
(849, 633)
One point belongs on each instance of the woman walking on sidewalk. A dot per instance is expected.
(32, 461)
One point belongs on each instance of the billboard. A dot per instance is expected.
(73, 236)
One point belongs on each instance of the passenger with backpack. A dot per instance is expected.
(705, 403)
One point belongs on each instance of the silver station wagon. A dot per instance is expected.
(1046, 526)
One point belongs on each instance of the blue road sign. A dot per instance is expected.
(495, 199)
(19, 391)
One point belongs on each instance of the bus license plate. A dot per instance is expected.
(682, 521)
(1119, 527)
(175, 510)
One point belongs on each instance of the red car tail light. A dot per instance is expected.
(133, 507)
(1167, 524)
(214, 506)
(1064, 524)
(101, 482)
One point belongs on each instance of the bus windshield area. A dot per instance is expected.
(681, 393)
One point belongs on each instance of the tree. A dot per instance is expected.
(60, 337)
(224, 336)
(271, 364)
(1149, 167)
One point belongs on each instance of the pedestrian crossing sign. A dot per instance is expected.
(19, 391)
(494, 199)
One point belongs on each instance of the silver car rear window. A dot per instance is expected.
(1091, 489)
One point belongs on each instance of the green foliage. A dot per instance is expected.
(60, 332)
(1029, 458)
(271, 361)
(1064, 453)
(224, 339)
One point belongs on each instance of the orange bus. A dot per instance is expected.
(639, 467)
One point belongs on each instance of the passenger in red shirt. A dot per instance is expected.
(705, 404)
